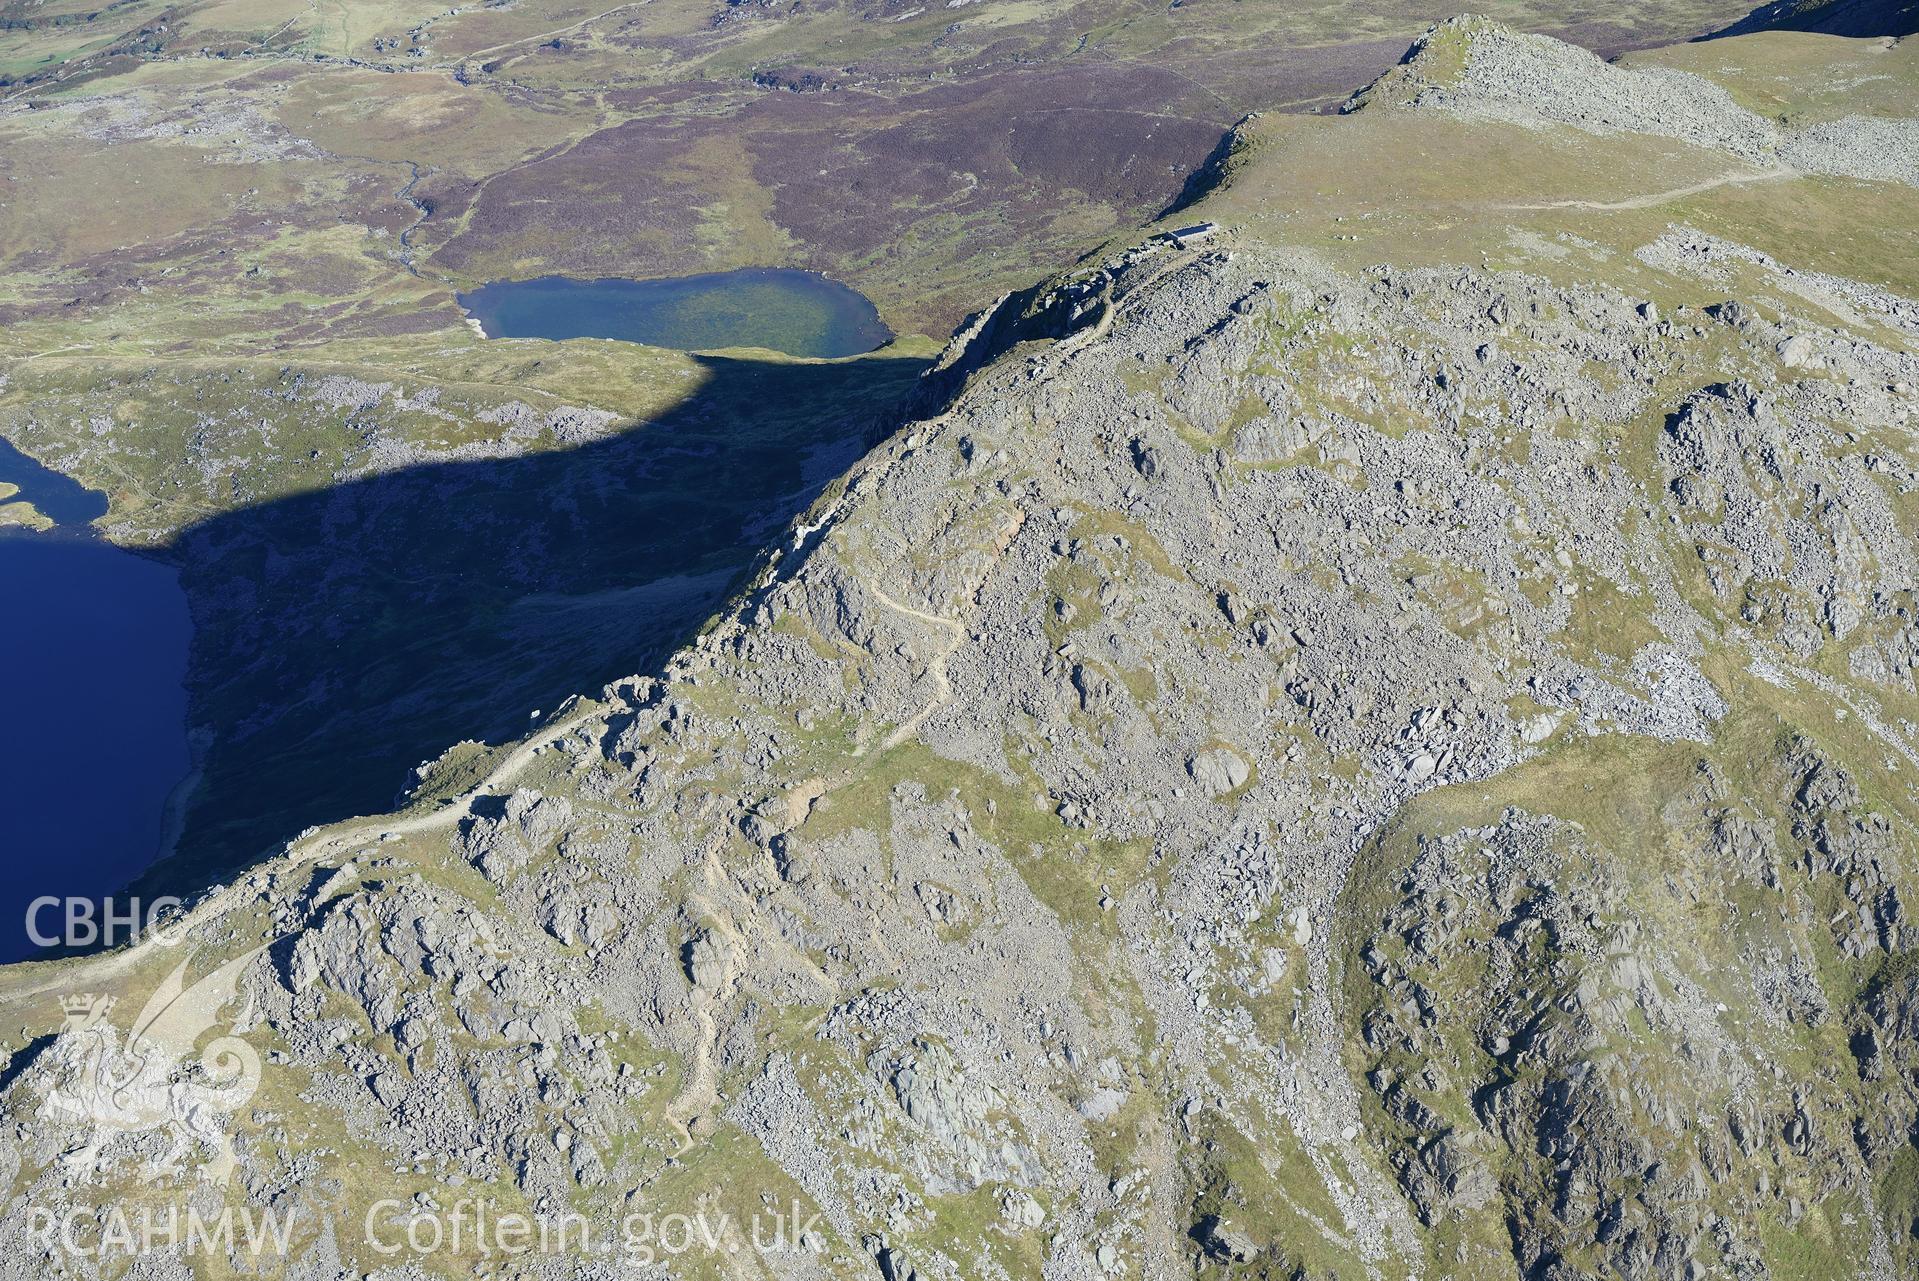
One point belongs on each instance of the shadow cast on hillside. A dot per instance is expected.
(345, 636)
(1860, 19)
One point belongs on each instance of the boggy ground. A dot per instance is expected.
(928, 155)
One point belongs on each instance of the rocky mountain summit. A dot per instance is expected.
(1474, 68)
(1371, 744)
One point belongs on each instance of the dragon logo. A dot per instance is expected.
(156, 1079)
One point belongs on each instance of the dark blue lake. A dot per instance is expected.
(800, 313)
(93, 740)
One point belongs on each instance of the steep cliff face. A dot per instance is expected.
(1319, 758)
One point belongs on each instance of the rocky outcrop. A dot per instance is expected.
(1475, 68)
(1296, 769)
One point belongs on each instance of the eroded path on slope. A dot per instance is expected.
(311, 848)
(1654, 199)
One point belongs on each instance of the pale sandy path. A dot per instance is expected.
(1655, 198)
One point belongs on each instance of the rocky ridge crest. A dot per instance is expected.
(1288, 770)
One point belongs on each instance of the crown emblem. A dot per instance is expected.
(83, 1009)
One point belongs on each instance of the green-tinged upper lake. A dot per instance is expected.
(800, 313)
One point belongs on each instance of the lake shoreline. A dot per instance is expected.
(93, 687)
(795, 312)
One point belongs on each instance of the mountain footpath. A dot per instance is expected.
(1371, 744)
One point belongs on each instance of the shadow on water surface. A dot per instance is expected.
(92, 655)
(346, 635)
